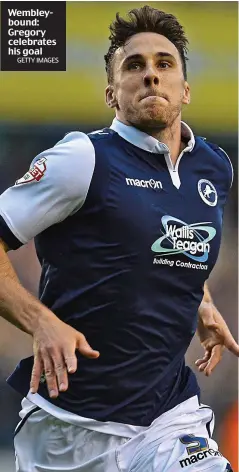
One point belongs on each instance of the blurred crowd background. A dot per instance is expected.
(37, 109)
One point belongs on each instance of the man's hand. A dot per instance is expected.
(214, 336)
(54, 342)
(54, 346)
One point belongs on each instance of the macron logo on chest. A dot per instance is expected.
(151, 183)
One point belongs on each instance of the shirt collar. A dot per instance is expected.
(147, 142)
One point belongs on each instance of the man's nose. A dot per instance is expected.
(151, 77)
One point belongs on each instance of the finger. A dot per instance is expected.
(50, 376)
(37, 371)
(204, 359)
(71, 362)
(60, 372)
(214, 359)
(201, 361)
(223, 330)
(85, 349)
(232, 345)
(202, 366)
(225, 336)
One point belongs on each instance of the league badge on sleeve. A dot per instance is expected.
(35, 173)
(207, 192)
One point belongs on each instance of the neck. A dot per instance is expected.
(170, 136)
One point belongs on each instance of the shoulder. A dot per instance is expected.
(102, 135)
(220, 156)
(73, 142)
(55, 187)
(75, 147)
(69, 164)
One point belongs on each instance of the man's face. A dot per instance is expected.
(148, 87)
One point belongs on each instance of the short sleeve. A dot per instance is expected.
(55, 187)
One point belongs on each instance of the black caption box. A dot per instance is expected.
(33, 36)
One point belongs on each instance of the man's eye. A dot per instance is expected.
(163, 65)
(134, 66)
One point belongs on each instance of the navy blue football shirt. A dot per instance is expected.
(126, 241)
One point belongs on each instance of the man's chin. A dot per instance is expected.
(153, 120)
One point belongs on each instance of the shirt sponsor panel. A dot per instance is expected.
(191, 240)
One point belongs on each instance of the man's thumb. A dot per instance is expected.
(231, 344)
(85, 349)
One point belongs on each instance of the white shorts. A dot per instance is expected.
(179, 440)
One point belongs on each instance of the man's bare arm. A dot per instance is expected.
(17, 305)
(54, 342)
(207, 296)
(213, 333)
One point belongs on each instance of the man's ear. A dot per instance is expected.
(110, 97)
(186, 94)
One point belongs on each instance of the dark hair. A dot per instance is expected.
(146, 19)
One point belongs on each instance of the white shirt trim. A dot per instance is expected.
(148, 143)
(145, 141)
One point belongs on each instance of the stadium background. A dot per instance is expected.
(37, 109)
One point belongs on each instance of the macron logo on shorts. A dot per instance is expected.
(151, 183)
(198, 457)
